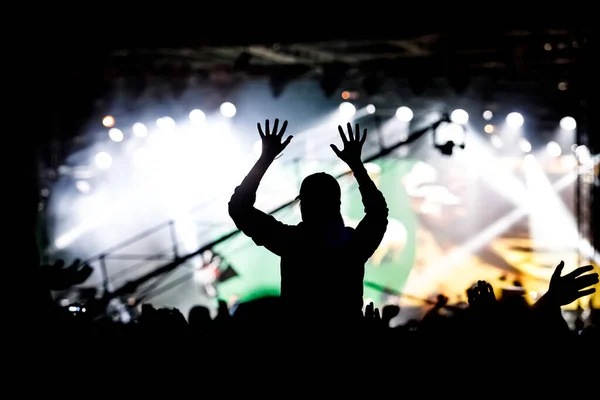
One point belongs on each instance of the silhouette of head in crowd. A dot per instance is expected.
(320, 199)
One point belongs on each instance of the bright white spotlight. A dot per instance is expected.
(347, 110)
(496, 142)
(488, 115)
(459, 116)
(524, 145)
(371, 109)
(514, 120)
(140, 129)
(583, 154)
(165, 123)
(404, 114)
(568, 124)
(83, 186)
(227, 109)
(553, 149)
(116, 135)
(103, 160)
(197, 117)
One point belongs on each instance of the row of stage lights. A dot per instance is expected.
(347, 110)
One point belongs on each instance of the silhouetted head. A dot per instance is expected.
(199, 317)
(320, 198)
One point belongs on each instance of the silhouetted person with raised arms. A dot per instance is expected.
(320, 257)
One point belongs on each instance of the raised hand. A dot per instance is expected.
(566, 289)
(271, 139)
(373, 317)
(59, 277)
(352, 145)
(481, 296)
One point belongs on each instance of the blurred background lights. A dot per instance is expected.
(347, 110)
(488, 115)
(108, 121)
(459, 116)
(116, 135)
(553, 149)
(568, 124)
(497, 142)
(83, 186)
(103, 160)
(165, 123)
(197, 117)
(371, 109)
(514, 120)
(140, 129)
(404, 114)
(227, 110)
(524, 145)
(489, 128)
(583, 154)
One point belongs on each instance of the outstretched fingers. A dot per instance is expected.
(579, 271)
(260, 131)
(283, 127)
(586, 280)
(342, 134)
(350, 133)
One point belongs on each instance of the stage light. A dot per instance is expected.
(347, 110)
(197, 117)
(497, 142)
(140, 129)
(371, 109)
(553, 149)
(514, 120)
(103, 160)
(583, 154)
(165, 123)
(459, 116)
(489, 128)
(228, 110)
(404, 114)
(488, 115)
(524, 145)
(116, 135)
(83, 186)
(108, 121)
(568, 124)
(345, 95)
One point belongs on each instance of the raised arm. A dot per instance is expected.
(371, 228)
(264, 229)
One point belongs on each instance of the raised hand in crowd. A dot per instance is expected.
(481, 296)
(566, 289)
(388, 313)
(372, 315)
(351, 153)
(272, 143)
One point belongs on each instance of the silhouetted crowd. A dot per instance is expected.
(298, 335)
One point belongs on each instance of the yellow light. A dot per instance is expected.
(489, 128)
(108, 121)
